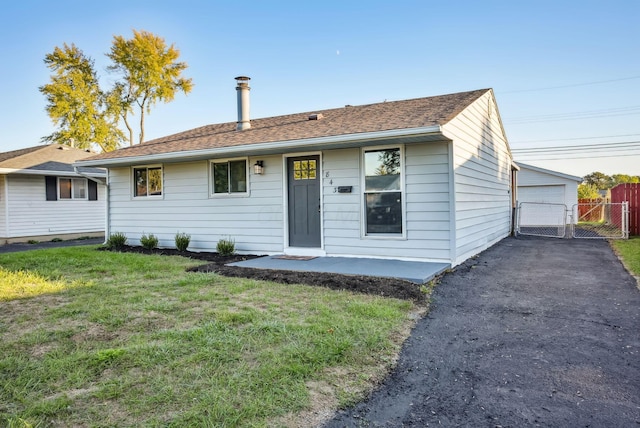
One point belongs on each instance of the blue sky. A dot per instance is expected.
(565, 73)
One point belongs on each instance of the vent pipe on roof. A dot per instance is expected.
(243, 103)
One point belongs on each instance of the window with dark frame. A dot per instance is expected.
(383, 191)
(147, 181)
(229, 177)
(70, 189)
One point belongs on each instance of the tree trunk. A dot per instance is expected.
(126, 123)
(141, 125)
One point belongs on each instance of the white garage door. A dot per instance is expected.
(542, 194)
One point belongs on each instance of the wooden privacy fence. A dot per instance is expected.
(629, 192)
(591, 210)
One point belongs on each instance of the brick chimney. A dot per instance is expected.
(243, 103)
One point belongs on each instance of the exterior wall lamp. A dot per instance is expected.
(258, 168)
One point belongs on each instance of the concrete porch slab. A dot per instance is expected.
(418, 272)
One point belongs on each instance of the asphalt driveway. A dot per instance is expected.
(533, 332)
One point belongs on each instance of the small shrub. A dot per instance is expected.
(117, 241)
(182, 241)
(56, 240)
(33, 241)
(226, 247)
(149, 241)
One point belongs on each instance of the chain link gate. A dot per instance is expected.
(541, 219)
(601, 220)
(594, 220)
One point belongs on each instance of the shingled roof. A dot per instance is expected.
(46, 159)
(348, 120)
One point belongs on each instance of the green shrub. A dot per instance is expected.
(117, 241)
(56, 240)
(149, 241)
(182, 241)
(33, 241)
(226, 247)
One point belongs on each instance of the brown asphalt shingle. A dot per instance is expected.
(52, 157)
(407, 114)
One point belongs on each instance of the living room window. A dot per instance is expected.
(229, 176)
(383, 191)
(147, 181)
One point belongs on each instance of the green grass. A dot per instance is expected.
(629, 251)
(94, 338)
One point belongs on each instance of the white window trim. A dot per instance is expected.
(363, 212)
(133, 182)
(72, 198)
(213, 194)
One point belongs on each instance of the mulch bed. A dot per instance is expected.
(216, 263)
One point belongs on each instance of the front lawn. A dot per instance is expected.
(94, 338)
(629, 251)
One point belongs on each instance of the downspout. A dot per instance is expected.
(106, 204)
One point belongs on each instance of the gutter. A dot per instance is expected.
(48, 172)
(262, 147)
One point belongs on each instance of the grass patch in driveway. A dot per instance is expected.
(629, 252)
(134, 340)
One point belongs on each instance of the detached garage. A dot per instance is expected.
(557, 191)
(545, 186)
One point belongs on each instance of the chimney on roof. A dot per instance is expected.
(243, 103)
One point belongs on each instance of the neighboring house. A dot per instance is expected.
(424, 179)
(543, 186)
(42, 197)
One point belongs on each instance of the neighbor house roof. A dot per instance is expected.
(550, 172)
(52, 159)
(296, 130)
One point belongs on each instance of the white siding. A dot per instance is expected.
(3, 208)
(30, 214)
(427, 206)
(536, 182)
(482, 171)
(255, 222)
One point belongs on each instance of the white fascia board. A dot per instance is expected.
(316, 143)
(46, 172)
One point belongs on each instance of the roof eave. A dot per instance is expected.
(267, 148)
(550, 172)
(48, 172)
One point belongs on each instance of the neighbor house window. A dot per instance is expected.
(72, 188)
(66, 189)
(229, 176)
(383, 191)
(147, 181)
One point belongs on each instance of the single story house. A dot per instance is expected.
(42, 196)
(427, 179)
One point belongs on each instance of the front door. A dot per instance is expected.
(304, 201)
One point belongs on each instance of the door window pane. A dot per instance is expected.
(305, 170)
